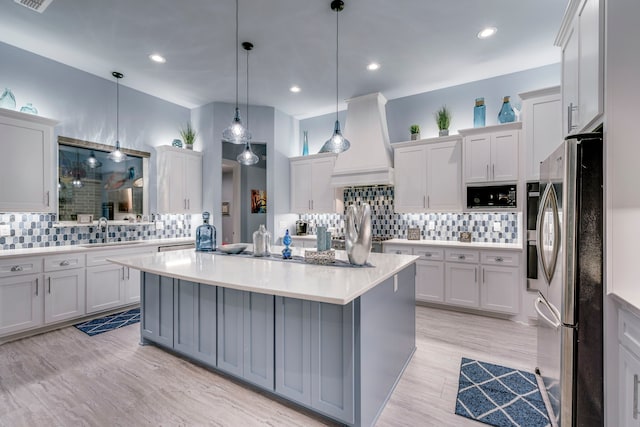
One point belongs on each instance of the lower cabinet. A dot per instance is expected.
(105, 287)
(132, 286)
(498, 290)
(64, 295)
(245, 335)
(21, 299)
(462, 286)
(157, 316)
(430, 281)
(315, 355)
(194, 320)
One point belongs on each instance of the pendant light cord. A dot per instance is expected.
(117, 109)
(237, 62)
(337, 59)
(247, 92)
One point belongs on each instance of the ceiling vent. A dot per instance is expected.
(37, 5)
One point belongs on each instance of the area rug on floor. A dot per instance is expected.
(109, 323)
(499, 396)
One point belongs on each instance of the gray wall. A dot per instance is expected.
(226, 236)
(85, 105)
(419, 109)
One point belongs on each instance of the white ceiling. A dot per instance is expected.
(421, 44)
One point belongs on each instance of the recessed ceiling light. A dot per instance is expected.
(157, 58)
(487, 32)
(295, 89)
(373, 66)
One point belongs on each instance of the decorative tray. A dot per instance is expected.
(320, 257)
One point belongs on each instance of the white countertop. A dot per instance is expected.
(57, 250)
(310, 237)
(334, 285)
(455, 244)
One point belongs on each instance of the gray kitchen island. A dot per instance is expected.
(334, 340)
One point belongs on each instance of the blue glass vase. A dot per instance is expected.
(29, 108)
(506, 114)
(305, 143)
(205, 235)
(479, 113)
(7, 100)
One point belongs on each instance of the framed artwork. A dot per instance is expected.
(225, 208)
(258, 201)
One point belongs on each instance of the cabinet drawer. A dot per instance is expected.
(100, 258)
(629, 331)
(398, 249)
(61, 262)
(433, 254)
(507, 259)
(19, 266)
(462, 255)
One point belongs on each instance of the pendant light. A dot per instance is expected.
(77, 182)
(337, 143)
(236, 133)
(92, 161)
(247, 157)
(117, 155)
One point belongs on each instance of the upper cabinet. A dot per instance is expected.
(27, 147)
(179, 180)
(311, 189)
(541, 127)
(428, 175)
(581, 40)
(491, 153)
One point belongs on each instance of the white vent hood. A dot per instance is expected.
(369, 161)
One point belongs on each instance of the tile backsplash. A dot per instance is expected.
(496, 227)
(33, 230)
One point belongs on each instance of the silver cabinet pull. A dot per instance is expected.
(635, 396)
(424, 201)
(16, 268)
(122, 273)
(37, 286)
(428, 202)
(493, 171)
(47, 197)
(475, 274)
(570, 109)
(483, 275)
(428, 254)
(64, 263)
(128, 273)
(399, 252)
(499, 259)
(461, 257)
(487, 173)
(49, 284)
(189, 204)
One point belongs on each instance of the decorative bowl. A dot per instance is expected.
(233, 248)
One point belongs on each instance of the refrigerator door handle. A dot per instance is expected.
(555, 323)
(549, 200)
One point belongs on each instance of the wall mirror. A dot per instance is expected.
(89, 183)
(240, 185)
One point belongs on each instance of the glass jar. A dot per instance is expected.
(7, 100)
(29, 108)
(261, 242)
(205, 235)
(305, 143)
(479, 113)
(506, 114)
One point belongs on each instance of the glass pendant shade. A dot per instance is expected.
(92, 161)
(247, 157)
(236, 133)
(337, 143)
(77, 182)
(117, 155)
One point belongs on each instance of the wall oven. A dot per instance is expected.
(533, 201)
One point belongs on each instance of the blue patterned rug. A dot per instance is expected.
(108, 323)
(499, 396)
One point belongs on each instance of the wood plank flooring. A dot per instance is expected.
(66, 378)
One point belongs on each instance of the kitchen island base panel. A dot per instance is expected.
(340, 361)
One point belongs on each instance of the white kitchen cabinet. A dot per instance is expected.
(541, 127)
(461, 284)
(499, 288)
(27, 139)
(581, 39)
(428, 175)
(311, 189)
(132, 286)
(179, 180)
(303, 243)
(429, 281)
(491, 154)
(21, 299)
(628, 369)
(64, 287)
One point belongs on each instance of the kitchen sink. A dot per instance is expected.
(113, 244)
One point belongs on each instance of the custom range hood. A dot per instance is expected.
(369, 161)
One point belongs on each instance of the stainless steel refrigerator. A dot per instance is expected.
(570, 276)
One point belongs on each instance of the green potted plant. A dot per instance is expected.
(415, 132)
(443, 120)
(189, 135)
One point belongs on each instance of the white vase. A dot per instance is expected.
(415, 136)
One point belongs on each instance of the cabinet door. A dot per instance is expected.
(543, 131)
(300, 186)
(322, 193)
(332, 360)
(444, 177)
(20, 303)
(105, 287)
(461, 285)
(590, 83)
(628, 383)
(195, 321)
(171, 180)
(230, 330)
(570, 101)
(293, 349)
(132, 286)
(499, 290)
(410, 190)
(430, 281)
(504, 156)
(477, 158)
(64, 295)
(26, 189)
(193, 183)
(156, 322)
(258, 337)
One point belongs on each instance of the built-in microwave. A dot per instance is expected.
(492, 197)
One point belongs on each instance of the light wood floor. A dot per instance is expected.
(66, 378)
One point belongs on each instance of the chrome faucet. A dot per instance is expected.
(104, 229)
